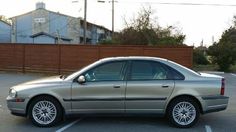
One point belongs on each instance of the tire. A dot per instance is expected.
(45, 111)
(183, 112)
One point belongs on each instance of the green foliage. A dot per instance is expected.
(144, 30)
(224, 52)
(199, 58)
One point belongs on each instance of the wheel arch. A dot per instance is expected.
(182, 96)
(39, 95)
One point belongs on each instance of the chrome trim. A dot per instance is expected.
(214, 97)
(217, 106)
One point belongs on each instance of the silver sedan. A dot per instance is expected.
(122, 85)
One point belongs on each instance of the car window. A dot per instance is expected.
(141, 70)
(150, 70)
(176, 75)
(112, 71)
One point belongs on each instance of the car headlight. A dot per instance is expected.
(12, 93)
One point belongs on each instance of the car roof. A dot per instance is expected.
(133, 58)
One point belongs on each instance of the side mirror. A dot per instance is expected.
(81, 79)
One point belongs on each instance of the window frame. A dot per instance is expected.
(123, 70)
(166, 67)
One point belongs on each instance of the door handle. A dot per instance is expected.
(165, 86)
(116, 86)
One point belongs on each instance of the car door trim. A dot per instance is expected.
(116, 99)
(95, 99)
(143, 99)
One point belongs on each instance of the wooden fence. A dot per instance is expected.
(67, 58)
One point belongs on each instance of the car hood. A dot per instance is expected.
(43, 82)
(52, 79)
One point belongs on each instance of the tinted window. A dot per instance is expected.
(175, 74)
(141, 70)
(151, 70)
(112, 71)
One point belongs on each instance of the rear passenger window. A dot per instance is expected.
(151, 70)
(176, 75)
(141, 70)
(148, 70)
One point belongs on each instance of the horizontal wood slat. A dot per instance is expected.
(67, 58)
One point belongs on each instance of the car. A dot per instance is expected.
(135, 85)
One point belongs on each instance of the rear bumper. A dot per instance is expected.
(215, 103)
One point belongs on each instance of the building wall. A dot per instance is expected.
(40, 21)
(23, 29)
(58, 24)
(94, 35)
(55, 24)
(43, 39)
(5, 32)
(73, 29)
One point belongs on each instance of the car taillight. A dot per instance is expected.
(222, 90)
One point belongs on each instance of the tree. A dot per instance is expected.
(144, 30)
(224, 52)
(199, 58)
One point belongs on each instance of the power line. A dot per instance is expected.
(195, 4)
(185, 4)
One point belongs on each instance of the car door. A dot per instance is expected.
(103, 90)
(148, 87)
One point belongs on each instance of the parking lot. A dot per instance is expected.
(214, 122)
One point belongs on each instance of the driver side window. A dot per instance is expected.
(112, 71)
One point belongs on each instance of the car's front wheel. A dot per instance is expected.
(183, 112)
(45, 111)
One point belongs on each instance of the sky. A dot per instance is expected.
(198, 22)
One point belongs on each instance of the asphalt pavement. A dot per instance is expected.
(223, 121)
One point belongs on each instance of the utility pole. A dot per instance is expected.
(85, 21)
(113, 10)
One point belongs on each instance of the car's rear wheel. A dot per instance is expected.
(45, 111)
(183, 112)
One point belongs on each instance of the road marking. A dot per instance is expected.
(233, 74)
(69, 125)
(208, 128)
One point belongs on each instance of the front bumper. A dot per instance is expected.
(215, 103)
(17, 106)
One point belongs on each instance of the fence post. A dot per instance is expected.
(99, 52)
(23, 59)
(59, 59)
